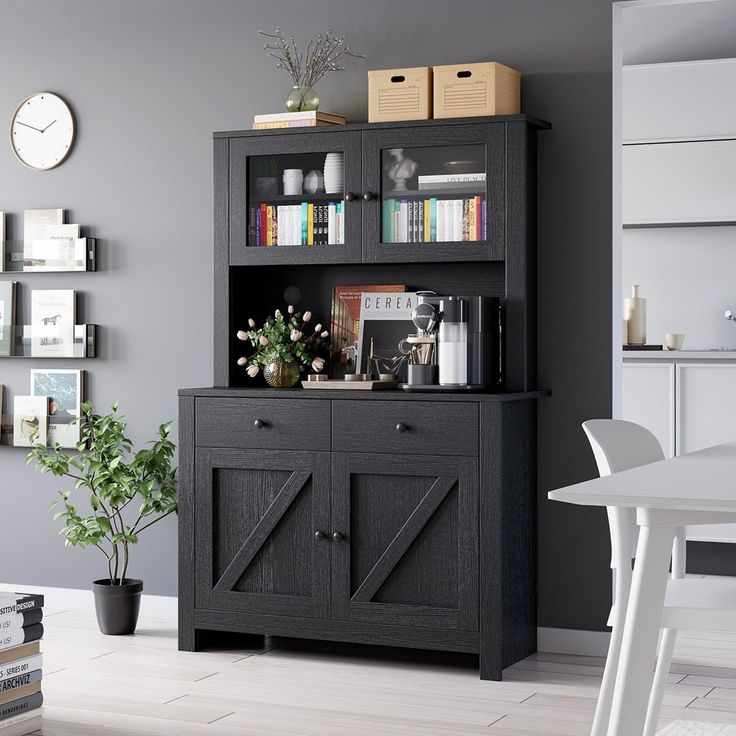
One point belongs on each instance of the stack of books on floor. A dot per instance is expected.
(20, 663)
(307, 119)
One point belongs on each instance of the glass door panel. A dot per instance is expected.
(288, 199)
(434, 194)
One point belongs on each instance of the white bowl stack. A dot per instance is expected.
(334, 173)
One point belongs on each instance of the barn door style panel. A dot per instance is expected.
(405, 540)
(257, 516)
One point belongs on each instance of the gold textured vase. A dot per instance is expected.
(280, 373)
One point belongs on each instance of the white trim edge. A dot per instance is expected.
(61, 599)
(573, 641)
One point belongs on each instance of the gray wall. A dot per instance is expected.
(151, 80)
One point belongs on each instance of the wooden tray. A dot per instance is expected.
(352, 385)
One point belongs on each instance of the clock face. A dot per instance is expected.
(42, 131)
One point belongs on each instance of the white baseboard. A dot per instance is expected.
(61, 599)
(559, 641)
(573, 641)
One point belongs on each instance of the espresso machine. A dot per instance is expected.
(458, 343)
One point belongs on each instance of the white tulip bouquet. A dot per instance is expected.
(288, 337)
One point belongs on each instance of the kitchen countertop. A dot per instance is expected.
(678, 355)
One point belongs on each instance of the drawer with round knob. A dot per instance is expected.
(263, 424)
(423, 428)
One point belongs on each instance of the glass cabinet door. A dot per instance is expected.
(292, 198)
(434, 194)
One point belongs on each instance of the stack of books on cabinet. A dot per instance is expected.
(20, 663)
(306, 119)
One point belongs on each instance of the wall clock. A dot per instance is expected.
(42, 131)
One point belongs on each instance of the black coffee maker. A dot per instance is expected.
(483, 316)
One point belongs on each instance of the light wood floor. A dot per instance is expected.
(141, 685)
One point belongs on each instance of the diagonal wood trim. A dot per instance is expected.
(257, 538)
(404, 539)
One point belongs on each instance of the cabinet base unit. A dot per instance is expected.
(394, 548)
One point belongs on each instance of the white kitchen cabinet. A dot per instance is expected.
(649, 400)
(688, 406)
(692, 99)
(679, 182)
(706, 405)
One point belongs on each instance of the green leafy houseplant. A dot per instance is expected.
(128, 491)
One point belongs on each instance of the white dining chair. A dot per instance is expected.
(619, 445)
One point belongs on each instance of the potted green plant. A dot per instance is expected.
(284, 346)
(129, 491)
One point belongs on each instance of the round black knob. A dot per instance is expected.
(401, 427)
(337, 537)
(368, 196)
(258, 424)
(350, 197)
(319, 536)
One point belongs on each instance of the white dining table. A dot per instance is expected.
(696, 488)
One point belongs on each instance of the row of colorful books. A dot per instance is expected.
(434, 220)
(298, 224)
(306, 119)
(21, 663)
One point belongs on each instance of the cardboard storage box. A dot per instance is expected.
(466, 90)
(400, 94)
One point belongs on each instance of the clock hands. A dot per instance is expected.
(38, 130)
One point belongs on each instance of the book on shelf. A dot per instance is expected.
(19, 705)
(36, 225)
(305, 223)
(64, 389)
(14, 621)
(385, 320)
(56, 254)
(21, 667)
(23, 728)
(22, 636)
(306, 119)
(442, 181)
(30, 427)
(53, 314)
(8, 291)
(19, 602)
(434, 220)
(345, 320)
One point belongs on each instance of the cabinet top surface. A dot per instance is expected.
(677, 356)
(398, 395)
(495, 119)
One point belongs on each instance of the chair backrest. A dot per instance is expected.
(619, 445)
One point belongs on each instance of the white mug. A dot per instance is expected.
(674, 340)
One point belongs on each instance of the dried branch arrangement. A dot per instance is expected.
(321, 55)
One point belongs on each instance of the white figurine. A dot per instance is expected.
(401, 169)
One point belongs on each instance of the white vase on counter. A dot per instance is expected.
(635, 314)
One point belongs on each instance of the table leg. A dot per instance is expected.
(641, 630)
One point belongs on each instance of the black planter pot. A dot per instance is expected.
(117, 606)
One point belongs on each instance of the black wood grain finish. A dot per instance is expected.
(186, 498)
(399, 427)
(256, 517)
(409, 550)
(259, 423)
(222, 307)
(508, 542)
(521, 260)
(352, 631)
